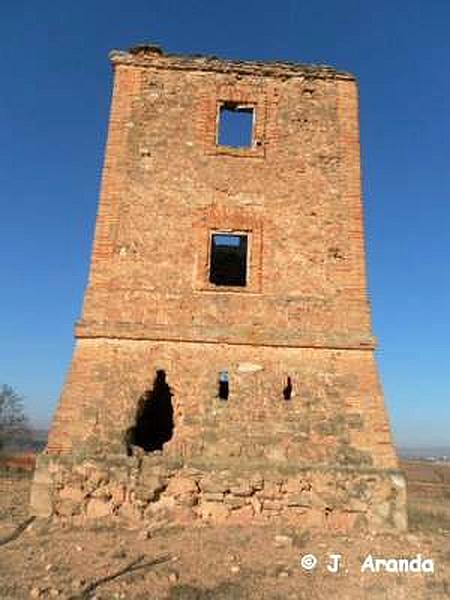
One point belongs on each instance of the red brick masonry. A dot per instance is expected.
(304, 313)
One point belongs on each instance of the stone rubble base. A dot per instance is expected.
(149, 488)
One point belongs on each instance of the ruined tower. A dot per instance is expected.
(224, 362)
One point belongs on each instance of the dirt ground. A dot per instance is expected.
(49, 559)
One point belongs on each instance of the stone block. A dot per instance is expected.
(97, 476)
(97, 508)
(256, 504)
(298, 499)
(276, 454)
(183, 515)
(40, 500)
(256, 481)
(271, 490)
(213, 485)
(187, 500)
(163, 507)
(130, 512)
(118, 494)
(382, 509)
(356, 505)
(216, 512)
(291, 485)
(247, 367)
(42, 475)
(72, 493)
(68, 507)
(234, 502)
(149, 488)
(242, 488)
(181, 485)
(272, 505)
(213, 496)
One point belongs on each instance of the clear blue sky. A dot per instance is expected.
(54, 101)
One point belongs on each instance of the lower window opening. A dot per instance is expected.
(287, 391)
(224, 387)
(228, 261)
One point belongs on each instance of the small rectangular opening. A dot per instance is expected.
(228, 263)
(235, 126)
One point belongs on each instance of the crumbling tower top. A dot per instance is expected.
(143, 54)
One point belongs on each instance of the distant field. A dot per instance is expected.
(18, 462)
(428, 495)
(427, 478)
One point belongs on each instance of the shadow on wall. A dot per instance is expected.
(154, 417)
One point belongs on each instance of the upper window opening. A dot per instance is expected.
(228, 265)
(235, 125)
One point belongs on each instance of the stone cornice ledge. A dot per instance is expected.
(239, 336)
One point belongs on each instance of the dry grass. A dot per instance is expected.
(428, 495)
(425, 517)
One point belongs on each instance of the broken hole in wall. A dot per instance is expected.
(154, 423)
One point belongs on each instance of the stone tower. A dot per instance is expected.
(224, 363)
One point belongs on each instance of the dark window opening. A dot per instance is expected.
(154, 417)
(228, 265)
(287, 391)
(224, 385)
(235, 126)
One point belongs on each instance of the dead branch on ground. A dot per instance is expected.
(134, 565)
(17, 531)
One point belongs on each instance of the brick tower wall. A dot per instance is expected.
(304, 313)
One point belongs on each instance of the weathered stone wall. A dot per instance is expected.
(336, 414)
(152, 488)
